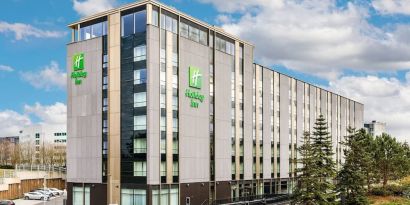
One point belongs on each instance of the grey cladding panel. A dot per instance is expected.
(284, 126)
(267, 130)
(84, 134)
(194, 137)
(248, 95)
(223, 68)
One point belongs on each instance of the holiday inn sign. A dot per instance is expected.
(195, 82)
(78, 73)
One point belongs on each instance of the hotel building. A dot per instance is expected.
(166, 109)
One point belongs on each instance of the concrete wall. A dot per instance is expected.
(194, 140)
(84, 113)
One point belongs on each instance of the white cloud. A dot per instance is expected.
(48, 78)
(392, 6)
(316, 36)
(385, 99)
(11, 122)
(6, 68)
(23, 31)
(51, 114)
(89, 7)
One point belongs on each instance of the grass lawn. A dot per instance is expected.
(388, 200)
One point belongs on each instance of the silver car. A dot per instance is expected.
(36, 195)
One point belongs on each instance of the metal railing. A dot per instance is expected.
(7, 173)
(46, 168)
(256, 199)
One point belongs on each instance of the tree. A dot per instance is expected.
(305, 180)
(352, 177)
(316, 185)
(391, 159)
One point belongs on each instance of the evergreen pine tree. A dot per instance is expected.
(303, 193)
(352, 177)
(315, 179)
(324, 166)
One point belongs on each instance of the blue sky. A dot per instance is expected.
(345, 46)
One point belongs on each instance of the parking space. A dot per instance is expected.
(52, 201)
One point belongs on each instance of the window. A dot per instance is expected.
(169, 23)
(140, 145)
(133, 23)
(175, 169)
(140, 169)
(93, 31)
(194, 33)
(140, 99)
(140, 21)
(105, 104)
(140, 53)
(225, 46)
(140, 76)
(140, 122)
(81, 195)
(133, 196)
(163, 169)
(154, 17)
(184, 30)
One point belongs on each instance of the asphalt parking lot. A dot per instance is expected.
(52, 201)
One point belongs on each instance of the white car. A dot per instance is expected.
(36, 195)
(57, 191)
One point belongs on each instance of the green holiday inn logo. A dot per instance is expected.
(78, 73)
(195, 77)
(195, 81)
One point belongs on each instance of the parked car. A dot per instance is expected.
(45, 192)
(7, 202)
(36, 195)
(49, 191)
(60, 192)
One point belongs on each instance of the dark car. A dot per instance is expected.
(7, 202)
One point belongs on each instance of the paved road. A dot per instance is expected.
(53, 201)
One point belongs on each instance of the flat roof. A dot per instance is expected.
(162, 6)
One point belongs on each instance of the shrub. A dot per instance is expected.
(6, 167)
(379, 191)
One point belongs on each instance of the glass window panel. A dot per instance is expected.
(78, 195)
(140, 145)
(154, 17)
(203, 38)
(194, 34)
(164, 196)
(140, 197)
(87, 195)
(140, 169)
(104, 28)
(174, 26)
(174, 196)
(126, 197)
(184, 30)
(127, 25)
(140, 99)
(140, 21)
(97, 30)
(140, 122)
(140, 76)
(140, 53)
(168, 23)
(163, 21)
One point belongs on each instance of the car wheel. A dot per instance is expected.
(26, 198)
(42, 198)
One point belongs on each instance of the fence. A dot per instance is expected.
(7, 173)
(47, 168)
(257, 199)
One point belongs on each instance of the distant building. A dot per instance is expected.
(42, 137)
(375, 128)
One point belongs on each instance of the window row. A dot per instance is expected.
(93, 31)
(225, 46)
(193, 33)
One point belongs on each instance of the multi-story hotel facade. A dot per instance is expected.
(165, 109)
